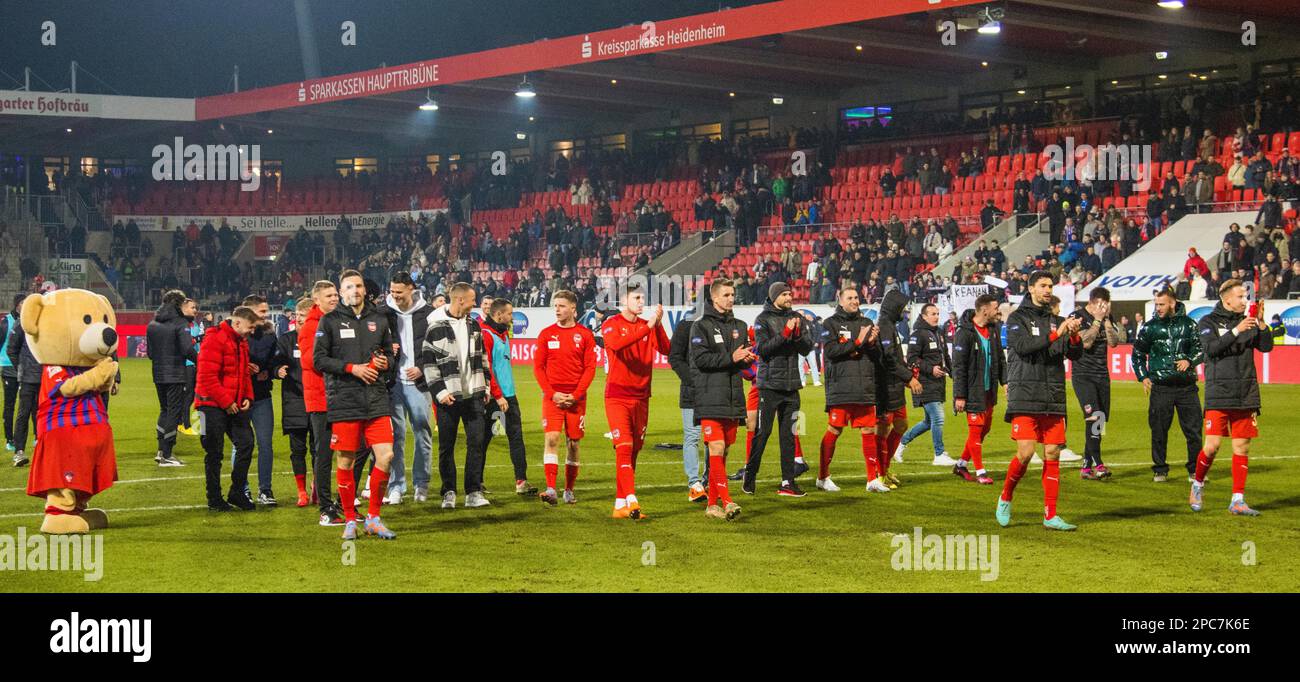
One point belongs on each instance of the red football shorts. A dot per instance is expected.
(984, 418)
(346, 436)
(751, 399)
(1234, 423)
(572, 421)
(1048, 429)
(78, 457)
(899, 415)
(856, 416)
(627, 420)
(724, 430)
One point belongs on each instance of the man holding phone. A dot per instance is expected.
(1231, 334)
(1165, 355)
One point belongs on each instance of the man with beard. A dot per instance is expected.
(1036, 399)
(978, 369)
(849, 339)
(719, 352)
(781, 337)
(261, 414)
(409, 319)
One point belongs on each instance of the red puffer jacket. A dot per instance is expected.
(223, 378)
(313, 384)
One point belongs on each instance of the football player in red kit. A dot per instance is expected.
(564, 365)
(630, 346)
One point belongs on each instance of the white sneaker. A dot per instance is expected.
(421, 493)
(1068, 455)
(476, 499)
(449, 499)
(828, 485)
(569, 497)
(898, 453)
(394, 497)
(817, 383)
(877, 486)
(943, 460)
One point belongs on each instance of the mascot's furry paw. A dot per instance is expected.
(96, 519)
(65, 524)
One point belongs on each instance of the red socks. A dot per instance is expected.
(974, 446)
(1203, 464)
(551, 465)
(1014, 471)
(1238, 474)
(749, 442)
(717, 480)
(378, 490)
(895, 438)
(570, 475)
(882, 454)
(1051, 487)
(347, 493)
(301, 480)
(869, 454)
(827, 452)
(624, 475)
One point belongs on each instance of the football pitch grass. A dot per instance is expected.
(1134, 535)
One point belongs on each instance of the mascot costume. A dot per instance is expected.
(73, 334)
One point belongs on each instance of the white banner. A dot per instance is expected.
(72, 105)
(272, 223)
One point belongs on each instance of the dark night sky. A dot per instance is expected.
(187, 48)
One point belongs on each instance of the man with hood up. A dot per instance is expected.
(170, 345)
(408, 317)
(782, 337)
(893, 378)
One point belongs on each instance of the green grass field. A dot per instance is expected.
(1133, 535)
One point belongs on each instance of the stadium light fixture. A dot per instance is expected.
(858, 48)
(1162, 55)
(69, 129)
(270, 131)
(525, 89)
(531, 119)
(988, 24)
(731, 94)
(984, 64)
(1020, 92)
(521, 135)
(1162, 76)
(1170, 4)
(429, 104)
(778, 100)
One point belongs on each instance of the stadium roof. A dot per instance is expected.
(811, 55)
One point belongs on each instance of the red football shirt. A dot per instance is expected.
(565, 360)
(631, 348)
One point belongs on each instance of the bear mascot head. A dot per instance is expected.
(73, 334)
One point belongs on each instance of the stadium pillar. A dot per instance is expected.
(74, 77)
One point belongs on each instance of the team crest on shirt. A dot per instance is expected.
(372, 327)
(735, 334)
(334, 438)
(1087, 409)
(68, 476)
(577, 338)
(614, 433)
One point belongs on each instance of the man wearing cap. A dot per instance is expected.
(781, 337)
